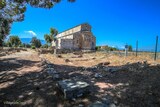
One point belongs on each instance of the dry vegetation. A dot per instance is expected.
(115, 80)
(92, 59)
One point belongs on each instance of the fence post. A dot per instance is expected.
(137, 48)
(155, 57)
(126, 50)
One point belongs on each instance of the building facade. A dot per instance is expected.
(78, 38)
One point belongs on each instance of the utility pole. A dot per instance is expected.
(155, 57)
(137, 48)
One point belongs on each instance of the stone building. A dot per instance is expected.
(76, 38)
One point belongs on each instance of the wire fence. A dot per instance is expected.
(152, 52)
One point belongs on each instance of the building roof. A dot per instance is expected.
(73, 27)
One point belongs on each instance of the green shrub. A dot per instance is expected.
(33, 47)
(21, 45)
(97, 48)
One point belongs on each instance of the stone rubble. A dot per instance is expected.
(98, 104)
(51, 71)
(112, 69)
(98, 75)
(75, 87)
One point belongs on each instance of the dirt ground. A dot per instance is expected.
(134, 83)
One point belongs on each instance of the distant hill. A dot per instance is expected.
(28, 40)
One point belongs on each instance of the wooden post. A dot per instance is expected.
(155, 57)
(137, 48)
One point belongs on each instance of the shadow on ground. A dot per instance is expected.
(132, 86)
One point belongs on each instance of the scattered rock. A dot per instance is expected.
(59, 56)
(18, 50)
(67, 60)
(56, 76)
(80, 105)
(106, 63)
(115, 102)
(98, 75)
(2, 54)
(80, 56)
(93, 58)
(106, 101)
(50, 65)
(103, 64)
(50, 71)
(111, 69)
(127, 63)
(98, 104)
(77, 53)
(112, 105)
(145, 62)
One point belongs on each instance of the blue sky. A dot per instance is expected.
(114, 22)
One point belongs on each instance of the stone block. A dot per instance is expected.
(73, 88)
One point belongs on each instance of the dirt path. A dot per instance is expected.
(22, 82)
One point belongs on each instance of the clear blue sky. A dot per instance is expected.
(114, 22)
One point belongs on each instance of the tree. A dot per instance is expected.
(14, 41)
(13, 11)
(50, 37)
(4, 29)
(112, 49)
(130, 48)
(36, 42)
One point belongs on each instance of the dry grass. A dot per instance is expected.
(91, 59)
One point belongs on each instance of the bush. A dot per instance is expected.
(33, 47)
(9, 44)
(45, 46)
(15, 41)
(28, 46)
(36, 42)
(130, 48)
(21, 45)
(97, 48)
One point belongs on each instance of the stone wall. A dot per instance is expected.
(64, 51)
(79, 37)
(77, 41)
(89, 41)
(66, 43)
